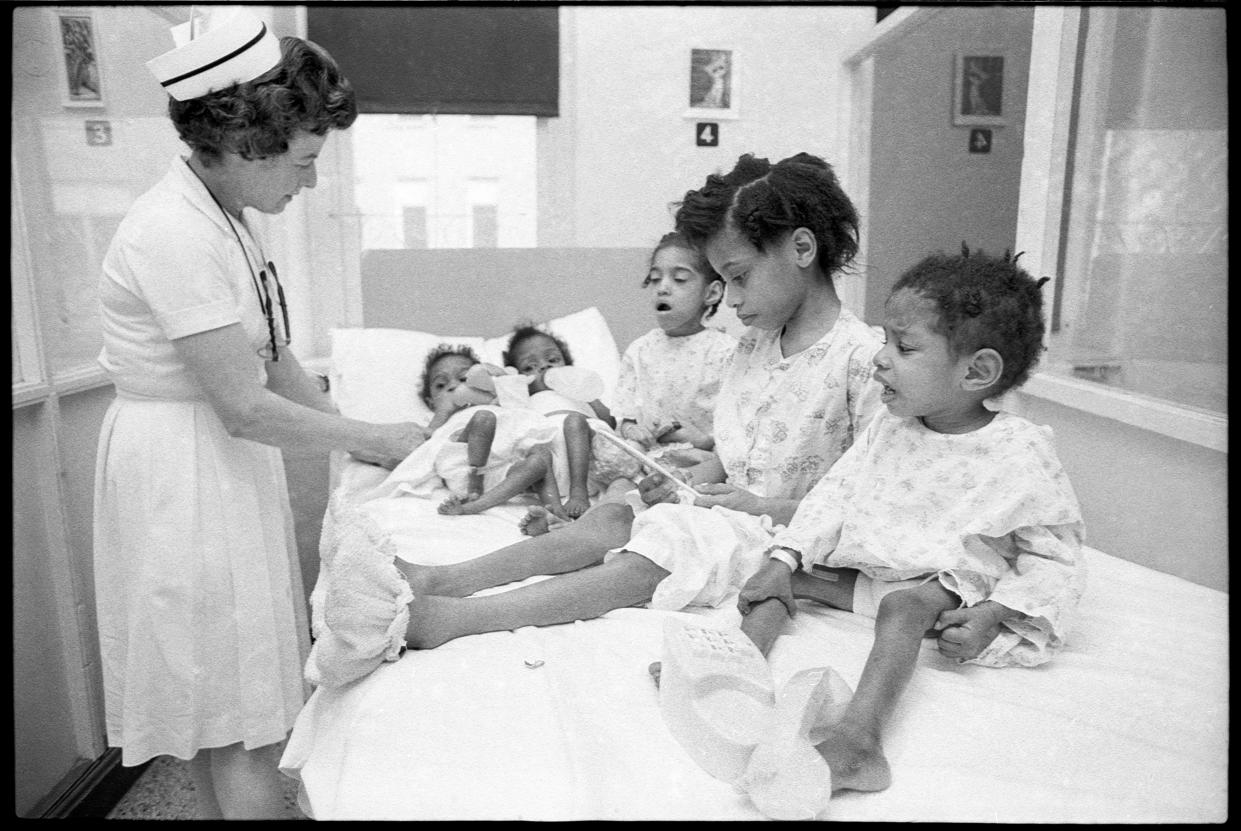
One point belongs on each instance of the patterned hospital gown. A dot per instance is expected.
(780, 423)
(991, 512)
(441, 461)
(665, 379)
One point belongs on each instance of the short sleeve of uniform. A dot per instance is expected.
(182, 272)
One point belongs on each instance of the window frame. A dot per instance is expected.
(1057, 51)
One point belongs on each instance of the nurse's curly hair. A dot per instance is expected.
(256, 119)
(766, 201)
(443, 350)
(983, 302)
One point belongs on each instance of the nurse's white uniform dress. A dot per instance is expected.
(202, 624)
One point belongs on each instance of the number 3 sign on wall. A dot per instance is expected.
(99, 133)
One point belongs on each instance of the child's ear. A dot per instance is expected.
(715, 293)
(984, 370)
(805, 246)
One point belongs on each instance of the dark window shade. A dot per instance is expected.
(475, 60)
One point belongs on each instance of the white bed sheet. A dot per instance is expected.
(1128, 724)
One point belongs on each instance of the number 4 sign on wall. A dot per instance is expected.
(707, 133)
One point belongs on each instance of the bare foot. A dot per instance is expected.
(535, 522)
(456, 506)
(575, 506)
(855, 758)
(539, 520)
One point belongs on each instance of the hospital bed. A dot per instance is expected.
(1128, 724)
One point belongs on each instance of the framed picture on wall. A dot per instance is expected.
(978, 90)
(714, 83)
(77, 45)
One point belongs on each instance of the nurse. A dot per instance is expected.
(202, 624)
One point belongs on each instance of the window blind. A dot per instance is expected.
(468, 60)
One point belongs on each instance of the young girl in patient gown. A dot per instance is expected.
(944, 515)
(670, 376)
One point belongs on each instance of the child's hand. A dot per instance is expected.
(687, 457)
(630, 431)
(689, 434)
(773, 579)
(965, 633)
(728, 496)
(658, 488)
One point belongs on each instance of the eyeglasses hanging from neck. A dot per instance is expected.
(271, 352)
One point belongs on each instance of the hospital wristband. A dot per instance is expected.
(787, 557)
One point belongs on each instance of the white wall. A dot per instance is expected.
(622, 149)
(1149, 498)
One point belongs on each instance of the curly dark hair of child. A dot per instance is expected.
(433, 357)
(523, 332)
(766, 201)
(675, 239)
(256, 119)
(984, 302)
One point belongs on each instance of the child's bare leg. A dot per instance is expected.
(540, 520)
(831, 587)
(480, 432)
(616, 490)
(568, 548)
(521, 476)
(764, 621)
(623, 581)
(852, 746)
(577, 436)
(549, 491)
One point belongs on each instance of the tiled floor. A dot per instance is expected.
(166, 791)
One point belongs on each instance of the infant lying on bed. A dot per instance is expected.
(483, 452)
(498, 435)
(571, 400)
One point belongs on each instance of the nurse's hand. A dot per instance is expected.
(729, 496)
(391, 443)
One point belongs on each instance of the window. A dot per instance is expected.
(415, 224)
(438, 181)
(485, 224)
(1141, 303)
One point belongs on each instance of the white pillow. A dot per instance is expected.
(376, 374)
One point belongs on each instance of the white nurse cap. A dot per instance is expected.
(229, 46)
